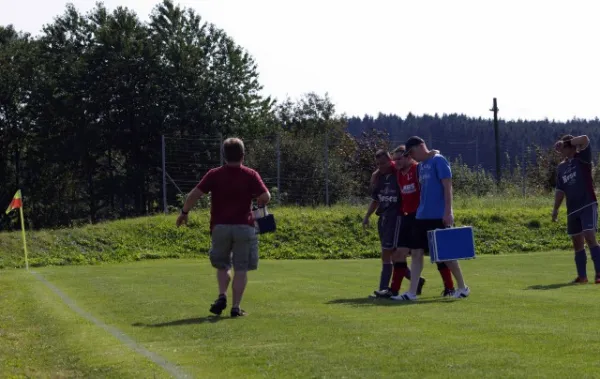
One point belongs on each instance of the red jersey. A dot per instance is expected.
(410, 190)
(232, 190)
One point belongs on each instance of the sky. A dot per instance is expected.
(540, 59)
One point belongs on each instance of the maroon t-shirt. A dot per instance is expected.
(232, 190)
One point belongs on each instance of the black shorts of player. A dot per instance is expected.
(388, 226)
(583, 220)
(422, 226)
(406, 235)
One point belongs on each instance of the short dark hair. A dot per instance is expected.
(380, 153)
(233, 150)
(399, 149)
(567, 140)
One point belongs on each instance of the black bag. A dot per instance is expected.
(263, 220)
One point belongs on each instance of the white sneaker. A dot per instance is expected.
(406, 296)
(460, 293)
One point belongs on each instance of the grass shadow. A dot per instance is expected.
(187, 321)
(365, 301)
(549, 286)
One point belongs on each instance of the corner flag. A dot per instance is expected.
(17, 202)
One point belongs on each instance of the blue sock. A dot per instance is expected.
(386, 275)
(580, 262)
(595, 253)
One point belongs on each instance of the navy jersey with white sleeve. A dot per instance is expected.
(574, 178)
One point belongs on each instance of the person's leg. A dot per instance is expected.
(223, 279)
(580, 258)
(245, 258)
(400, 269)
(387, 267)
(575, 231)
(589, 221)
(446, 274)
(240, 280)
(443, 268)
(405, 244)
(387, 249)
(419, 241)
(220, 259)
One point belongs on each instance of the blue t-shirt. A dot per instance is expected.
(431, 173)
(574, 178)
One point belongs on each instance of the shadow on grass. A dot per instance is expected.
(365, 301)
(187, 321)
(550, 286)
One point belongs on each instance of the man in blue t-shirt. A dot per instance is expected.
(434, 212)
(575, 183)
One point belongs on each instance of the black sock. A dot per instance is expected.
(580, 263)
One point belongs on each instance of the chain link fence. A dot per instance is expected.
(324, 171)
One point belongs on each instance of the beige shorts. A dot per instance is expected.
(234, 245)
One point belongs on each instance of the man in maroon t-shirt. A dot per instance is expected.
(234, 241)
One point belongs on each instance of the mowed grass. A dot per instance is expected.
(307, 319)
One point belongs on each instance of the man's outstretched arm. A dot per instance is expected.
(191, 200)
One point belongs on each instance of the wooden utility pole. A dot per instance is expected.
(498, 170)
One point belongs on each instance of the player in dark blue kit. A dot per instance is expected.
(575, 183)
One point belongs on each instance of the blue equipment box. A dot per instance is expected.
(451, 244)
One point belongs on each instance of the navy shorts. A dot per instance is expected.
(406, 235)
(583, 220)
(422, 226)
(388, 227)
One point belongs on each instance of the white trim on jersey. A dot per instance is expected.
(595, 202)
(397, 231)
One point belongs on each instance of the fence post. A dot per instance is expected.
(164, 174)
(327, 167)
(477, 164)
(221, 149)
(524, 169)
(278, 169)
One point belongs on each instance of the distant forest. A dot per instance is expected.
(455, 134)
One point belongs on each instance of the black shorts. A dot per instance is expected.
(421, 240)
(406, 235)
(583, 220)
(388, 227)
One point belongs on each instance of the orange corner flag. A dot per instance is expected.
(16, 202)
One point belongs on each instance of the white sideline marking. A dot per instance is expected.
(126, 340)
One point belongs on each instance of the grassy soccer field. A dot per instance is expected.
(308, 319)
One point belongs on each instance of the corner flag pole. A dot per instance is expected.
(24, 239)
(17, 202)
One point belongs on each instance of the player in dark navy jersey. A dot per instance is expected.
(575, 183)
(386, 203)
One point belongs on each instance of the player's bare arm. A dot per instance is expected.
(374, 179)
(191, 200)
(448, 214)
(559, 196)
(581, 142)
(372, 207)
(264, 199)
